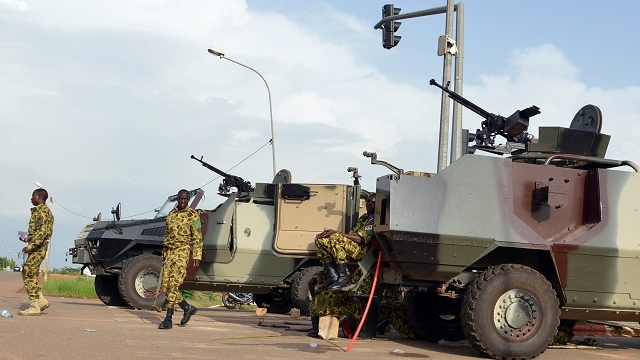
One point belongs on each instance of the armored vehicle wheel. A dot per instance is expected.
(278, 301)
(510, 311)
(107, 290)
(433, 317)
(300, 296)
(139, 279)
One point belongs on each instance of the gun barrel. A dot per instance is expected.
(464, 102)
(210, 167)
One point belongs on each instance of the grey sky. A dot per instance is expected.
(104, 102)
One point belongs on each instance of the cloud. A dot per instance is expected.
(14, 5)
(105, 102)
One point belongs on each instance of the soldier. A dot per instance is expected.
(334, 248)
(39, 234)
(341, 303)
(182, 236)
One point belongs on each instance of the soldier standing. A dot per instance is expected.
(334, 248)
(39, 234)
(182, 236)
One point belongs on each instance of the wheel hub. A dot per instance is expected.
(146, 283)
(516, 314)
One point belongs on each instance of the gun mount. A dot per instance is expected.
(229, 181)
(375, 161)
(514, 128)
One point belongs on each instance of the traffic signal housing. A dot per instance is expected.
(389, 39)
(466, 139)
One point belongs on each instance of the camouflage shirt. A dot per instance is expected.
(184, 228)
(364, 228)
(40, 226)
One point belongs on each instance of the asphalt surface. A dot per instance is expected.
(87, 329)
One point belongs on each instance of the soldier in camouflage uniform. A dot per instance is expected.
(182, 237)
(334, 249)
(341, 303)
(39, 234)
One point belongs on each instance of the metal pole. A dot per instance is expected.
(46, 268)
(273, 141)
(443, 147)
(456, 128)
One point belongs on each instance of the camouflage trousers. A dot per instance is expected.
(335, 303)
(173, 273)
(339, 249)
(393, 310)
(31, 268)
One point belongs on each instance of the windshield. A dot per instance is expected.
(172, 201)
(166, 208)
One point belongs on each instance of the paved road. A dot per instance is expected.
(86, 329)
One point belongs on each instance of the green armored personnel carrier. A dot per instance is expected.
(258, 240)
(498, 249)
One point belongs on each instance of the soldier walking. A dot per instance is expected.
(38, 236)
(182, 236)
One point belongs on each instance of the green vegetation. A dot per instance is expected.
(76, 286)
(67, 271)
(6, 262)
(72, 286)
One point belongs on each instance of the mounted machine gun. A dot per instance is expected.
(514, 128)
(229, 181)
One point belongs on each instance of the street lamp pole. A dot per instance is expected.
(273, 141)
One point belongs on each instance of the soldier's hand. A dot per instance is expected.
(25, 250)
(196, 263)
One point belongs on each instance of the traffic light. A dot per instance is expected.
(466, 139)
(389, 39)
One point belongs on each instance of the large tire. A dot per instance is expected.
(510, 311)
(107, 290)
(139, 280)
(300, 296)
(433, 317)
(278, 301)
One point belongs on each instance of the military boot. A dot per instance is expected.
(188, 312)
(315, 322)
(381, 328)
(343, 278)
(166, 323)
(332, 276)
(44, 304)
(33, 310)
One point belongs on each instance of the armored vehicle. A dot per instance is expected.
(259, 240)
(498, 249)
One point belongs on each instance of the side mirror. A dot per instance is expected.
(116, 212)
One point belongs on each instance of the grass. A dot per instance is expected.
(71, 286)
(77, 286)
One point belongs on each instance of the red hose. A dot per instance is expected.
(366, 309)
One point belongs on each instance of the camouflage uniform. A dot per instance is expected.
(341, 249)
(336, 303)
(40, 231)
(182, 236)
(341, 303)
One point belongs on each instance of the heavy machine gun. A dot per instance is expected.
(514, 128)
(228, 181)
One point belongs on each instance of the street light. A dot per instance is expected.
(220, 54)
